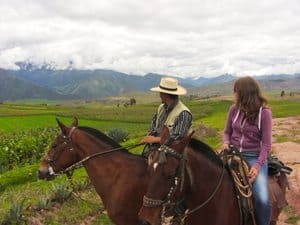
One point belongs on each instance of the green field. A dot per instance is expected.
(19, 183)
(14, 118)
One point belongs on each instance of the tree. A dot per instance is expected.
(132, 101)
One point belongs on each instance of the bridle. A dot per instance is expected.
(177, 178)
(52, 161)
(165, 150)
(68, 141)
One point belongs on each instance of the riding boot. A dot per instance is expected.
(179, 211)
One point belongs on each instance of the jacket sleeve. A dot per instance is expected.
(266, 138)
(228, 127)
(151, 130)
(181, 125)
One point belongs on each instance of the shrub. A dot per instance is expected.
(43, 204)
(15, 215)
(61, 192)
(80, 185)
(202, 131)
(118, 135)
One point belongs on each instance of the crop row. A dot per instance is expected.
(25, 147)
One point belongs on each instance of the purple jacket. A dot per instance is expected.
(248, 137)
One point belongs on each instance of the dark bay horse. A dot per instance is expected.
(190, 169)
(119, 177)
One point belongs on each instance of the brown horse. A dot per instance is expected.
(119, 177)
(196, 173)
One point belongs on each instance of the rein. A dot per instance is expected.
(79, 163)
(69, 170)
(189, 212)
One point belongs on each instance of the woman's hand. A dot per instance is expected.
(252, 174)
(225, 146)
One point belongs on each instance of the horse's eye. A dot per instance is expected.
(54, 145)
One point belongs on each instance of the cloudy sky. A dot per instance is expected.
(184, 38)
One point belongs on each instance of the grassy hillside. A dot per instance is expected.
(12, 88)
(276, 86)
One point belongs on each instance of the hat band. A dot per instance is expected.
(168, 89)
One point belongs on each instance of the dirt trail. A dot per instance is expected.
(289, 152)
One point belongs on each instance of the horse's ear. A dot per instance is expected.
(75, 122)
(181, 144)
(62, 127)
(191, 134)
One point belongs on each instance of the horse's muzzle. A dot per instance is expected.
(44, 174)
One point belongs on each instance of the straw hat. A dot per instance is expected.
(170, 86)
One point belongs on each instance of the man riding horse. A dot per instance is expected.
(172, 121)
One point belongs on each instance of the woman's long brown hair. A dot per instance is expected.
(250, 97)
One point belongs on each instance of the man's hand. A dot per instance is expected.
(150, 139)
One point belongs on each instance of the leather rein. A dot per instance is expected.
(69, 170)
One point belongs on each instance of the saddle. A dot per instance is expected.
(276, 167)
(278, 183)
(238, 168)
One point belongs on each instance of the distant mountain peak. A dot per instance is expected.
(227, 75)
(30, 66)
(153, 75)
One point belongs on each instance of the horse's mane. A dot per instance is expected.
(206, 150)
(101, 136)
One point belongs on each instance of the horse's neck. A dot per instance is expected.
(88, 145)
(204, 174)
(105, 171)
(212, 195)
(202, 165)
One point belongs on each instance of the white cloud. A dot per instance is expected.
(186, 38)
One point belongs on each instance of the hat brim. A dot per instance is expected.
(180, 90)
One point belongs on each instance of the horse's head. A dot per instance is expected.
(164, 166)
(61, 153)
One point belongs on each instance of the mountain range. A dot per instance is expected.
(45, 82)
